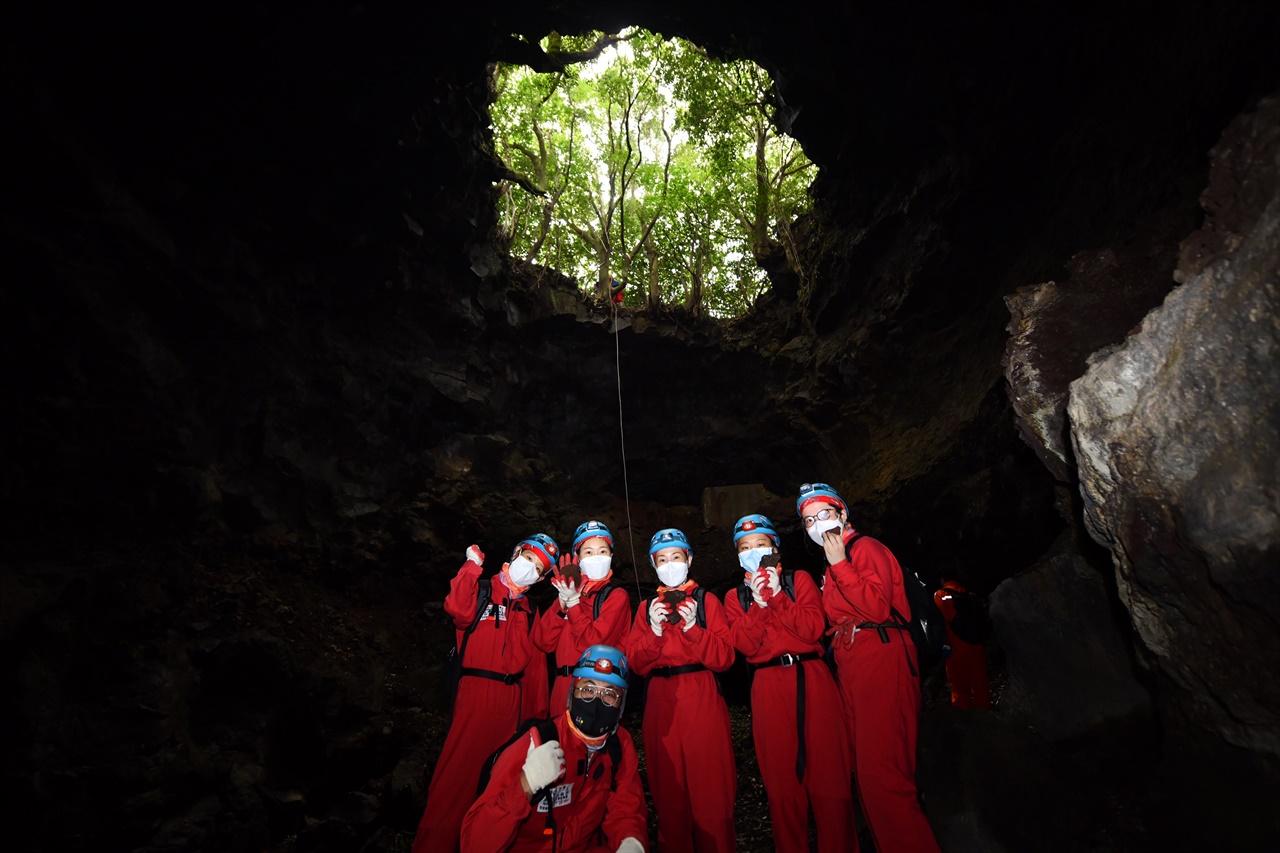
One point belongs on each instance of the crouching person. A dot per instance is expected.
(569, 784)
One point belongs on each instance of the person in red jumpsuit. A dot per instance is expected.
(503, 682)
(792, 694)
(688, 750)
(567, 794)
(877, 669)
(967, 663)
(569, 626)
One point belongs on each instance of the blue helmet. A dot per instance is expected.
(668, 537)
(589, 529)
(755, 523)
(811, 492)
(543, 547)
(603, 663)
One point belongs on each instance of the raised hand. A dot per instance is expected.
(759, 588)
(833, 546)
(543, 764)
(569, 593)
(688, 611)
(657, 616)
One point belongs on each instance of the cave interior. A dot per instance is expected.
(271, 371)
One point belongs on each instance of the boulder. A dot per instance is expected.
(1068, 663)
(1177, 439)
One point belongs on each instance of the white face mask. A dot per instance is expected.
(673, 574)
(595, 567)
(522, 571)
(750, 560)
(821, 527)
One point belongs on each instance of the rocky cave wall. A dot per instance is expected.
(271, 375)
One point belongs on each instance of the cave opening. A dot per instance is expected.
(599, 129)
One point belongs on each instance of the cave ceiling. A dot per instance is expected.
(260, 292)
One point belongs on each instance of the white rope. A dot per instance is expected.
(622, 437)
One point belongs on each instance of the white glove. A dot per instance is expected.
(688, 610)
(569, 594)
(657, 616)
(757, 593)
(775, 583)
(475, 555)
(630, 845)
(543, 764)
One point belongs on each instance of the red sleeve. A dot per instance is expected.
(609, 629)
(494, 819)
(535, 696)
(546, 633)
(460, 603)
(802, 617)
(642, 646)
(626, 815)
(746, 630)
(711, 645)
(860, 587)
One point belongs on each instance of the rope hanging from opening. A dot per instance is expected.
(622, 438)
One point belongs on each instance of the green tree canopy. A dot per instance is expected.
(627, 156)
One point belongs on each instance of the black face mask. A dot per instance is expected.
(594, 718)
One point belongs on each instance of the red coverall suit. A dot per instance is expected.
(764, 635)
(688, 749)
(967, 663)
(880, 690)
(503, 819)
(486, 712)
(567, 636)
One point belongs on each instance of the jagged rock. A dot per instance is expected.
(1054, 327)
(1242, 182)
(1177, 436)
(1069, 667)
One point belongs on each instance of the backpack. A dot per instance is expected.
(601, 594)
(928, 628)
(547, 731)
(786, 577)
(972, 622)
(453, 662)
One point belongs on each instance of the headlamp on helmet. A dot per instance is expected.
(755, 523)
(669, 537)
(815, 493)
(543, 547)
(588, 530)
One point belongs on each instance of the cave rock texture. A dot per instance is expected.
(270, 369)
(1073, 680)
(1177, 436)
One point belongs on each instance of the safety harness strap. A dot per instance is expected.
(504, 677)
(791, 660)
(788, 659)
(882, 628)
(668, 671)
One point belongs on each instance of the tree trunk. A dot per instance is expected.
(760, 222)
(694, 302)
(602, 283)
(655, 288)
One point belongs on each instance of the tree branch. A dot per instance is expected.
(511, 175)
(517, 51)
